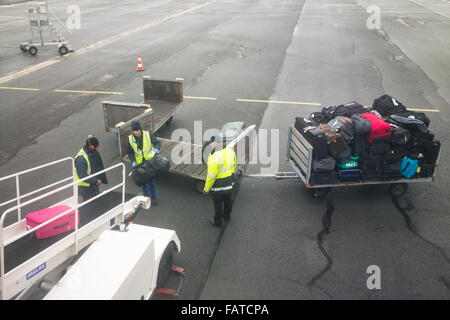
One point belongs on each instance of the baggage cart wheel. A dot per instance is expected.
(33, 50)
(199, 185)
(319, 193)
(169, 120)
(63, 50)
(165, 266)
(398, 189)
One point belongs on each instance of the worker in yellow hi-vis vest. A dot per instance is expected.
(220, 181)
(142, 146)
(87, 162)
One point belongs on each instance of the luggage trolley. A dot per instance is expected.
(104, 268)
(162, 98)
(40, 24)
(299, 155)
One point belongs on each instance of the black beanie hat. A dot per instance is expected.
(135, 125)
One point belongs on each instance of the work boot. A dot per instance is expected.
(215, 224)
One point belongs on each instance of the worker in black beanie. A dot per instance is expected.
(142, 146)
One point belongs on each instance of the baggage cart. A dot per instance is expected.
(118, 117)
(162, 98)
(299, 155)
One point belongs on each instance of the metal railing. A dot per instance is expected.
(18, 174)
(73, 184)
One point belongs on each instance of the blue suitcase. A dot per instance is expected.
(349, 175)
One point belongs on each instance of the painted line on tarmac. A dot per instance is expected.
(98, 44)
(22, 89)
(199, 98)
(279, 102)
(86, 91)
(424, 110)
(196, 98)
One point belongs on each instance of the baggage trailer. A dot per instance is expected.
(299, 155)
(118, 117)
(104, 268)
(162, 98)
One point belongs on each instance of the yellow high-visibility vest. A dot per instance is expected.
(221, 167)
(147, 151)
(83, 154)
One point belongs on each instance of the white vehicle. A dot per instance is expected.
(105, 257)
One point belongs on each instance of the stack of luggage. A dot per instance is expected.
(352, 143)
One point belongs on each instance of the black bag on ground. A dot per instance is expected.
(349, 109)
(343, 126)
(324, 165)
(314, 136)
(142, 174)
(318, 178)
(387, 105)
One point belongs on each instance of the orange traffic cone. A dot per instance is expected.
(139, 66)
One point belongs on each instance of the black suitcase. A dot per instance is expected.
(324, 165)
(426, 170)
(318, 178)
(391, 171)
(378, 148)
(349, 175)
(396, 154)
(399, 135)
(432, 151)
(372, 167)
(344, 127)
(314, 136)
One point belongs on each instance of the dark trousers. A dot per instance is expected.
(222, 206)
(88, 192)
(149, 189)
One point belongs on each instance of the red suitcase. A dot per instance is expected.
(60, 225)
(380, 128)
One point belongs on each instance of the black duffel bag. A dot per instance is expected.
(387, 105)
(143, 173)
(159, 163)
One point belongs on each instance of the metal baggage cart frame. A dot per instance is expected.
(38, 17)
(299, 155)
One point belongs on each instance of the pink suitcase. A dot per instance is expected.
(60, 225)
